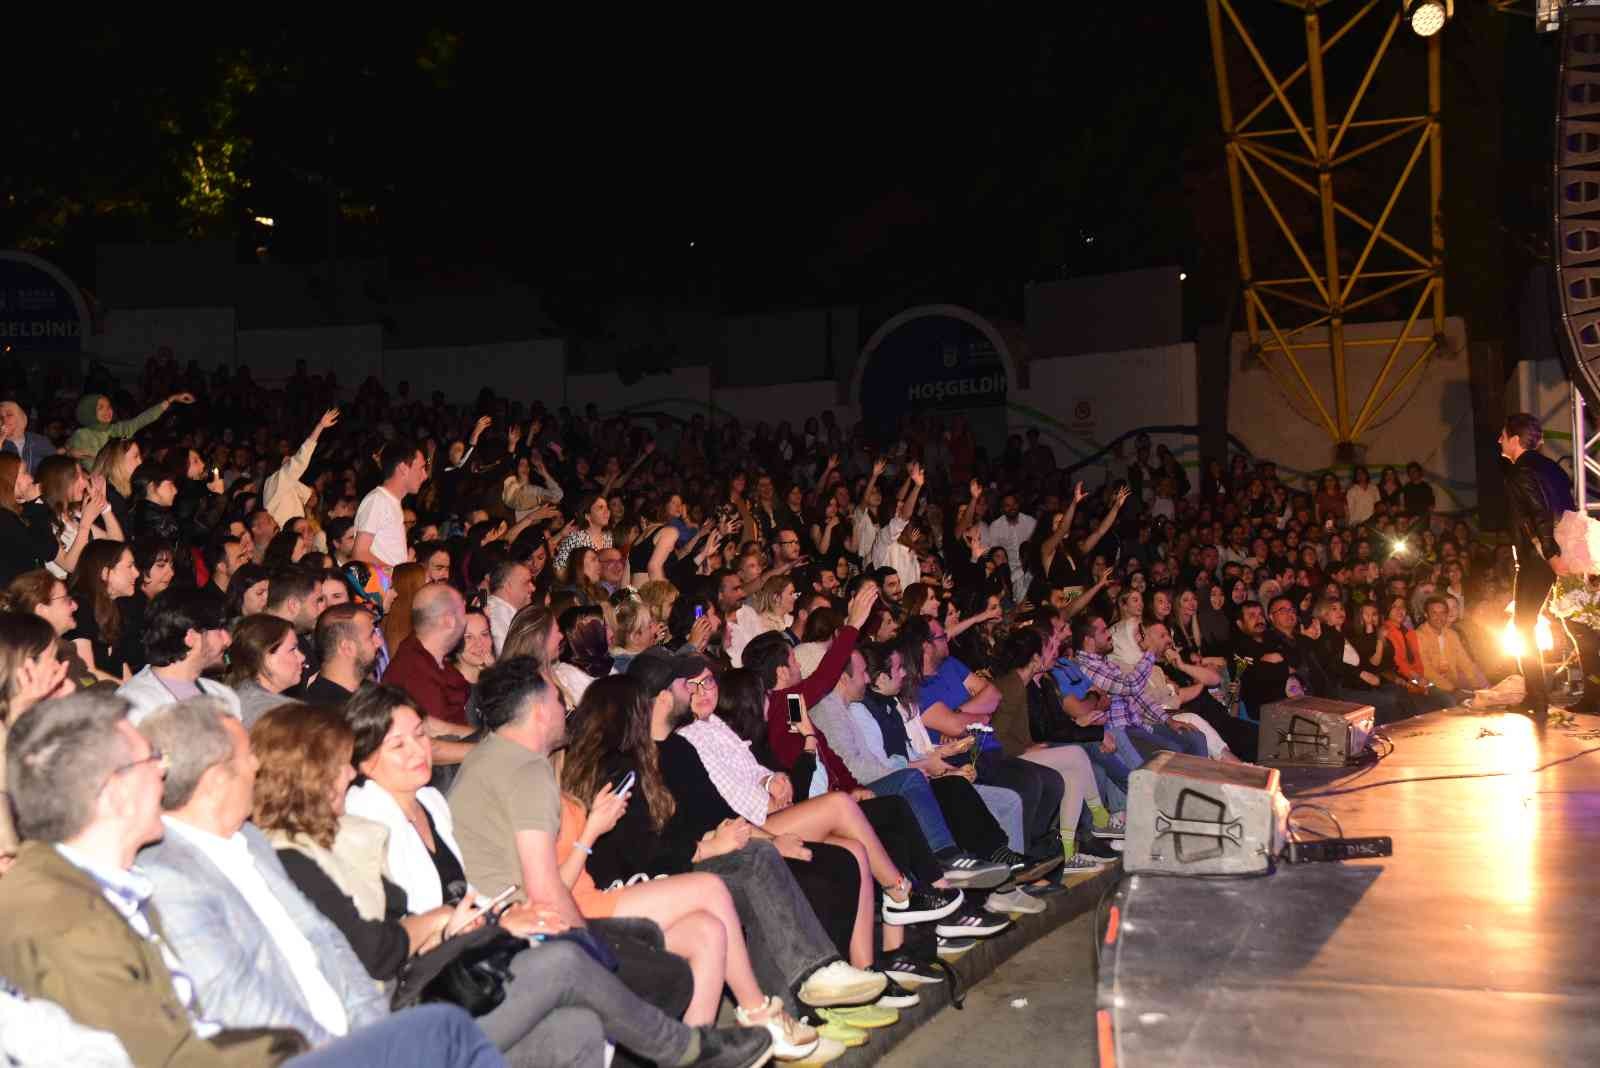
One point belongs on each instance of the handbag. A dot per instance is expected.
(470, 970)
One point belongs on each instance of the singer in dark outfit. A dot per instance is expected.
(1537, 492)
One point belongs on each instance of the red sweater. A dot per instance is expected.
(787, 745)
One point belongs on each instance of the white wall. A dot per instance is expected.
(132, 335)
(682, 392)
(1081, 403)
(520, 370)
(795, 402)
(1430, 421)
(354, 352)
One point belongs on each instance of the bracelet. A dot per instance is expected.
(583, 849)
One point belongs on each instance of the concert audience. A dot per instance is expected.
(844, 678)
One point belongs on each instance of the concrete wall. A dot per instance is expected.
(354, 352)
(1430, 421)
(516, 369)
(132, 335)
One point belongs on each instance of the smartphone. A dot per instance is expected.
(483, 905)
(216, 472)
(699, 610)
(626, 784)
(797, 709)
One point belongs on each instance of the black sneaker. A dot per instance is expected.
(921, 906)
(734, 1047)
(896, 996)
(971, 925)
(1038, 869)
(1010, 858)
(910, 972)
(964, 869)
(950, 949)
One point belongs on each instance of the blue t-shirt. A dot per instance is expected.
(948, 686)
(1070, 679)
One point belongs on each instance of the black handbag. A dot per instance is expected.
(470, 970)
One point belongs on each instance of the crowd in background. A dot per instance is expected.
(778, 714)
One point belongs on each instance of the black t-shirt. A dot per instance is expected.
(26, 541)
(324, 691)
(444, 861)
(107, 657)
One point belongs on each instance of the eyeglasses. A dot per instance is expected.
(156, 757)
(707, 683)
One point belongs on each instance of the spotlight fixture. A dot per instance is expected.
(1427, 17)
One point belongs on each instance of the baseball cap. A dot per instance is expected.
(656, 668)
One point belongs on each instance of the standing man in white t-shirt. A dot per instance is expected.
(380, 523)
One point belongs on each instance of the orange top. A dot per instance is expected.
(593, 902)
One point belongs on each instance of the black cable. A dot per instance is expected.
(1448, 778)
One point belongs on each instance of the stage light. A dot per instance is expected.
(1183, 276)
(266, 220)
(1542, 637)
(1427, 17)
(1398, 547)
(1511, 642)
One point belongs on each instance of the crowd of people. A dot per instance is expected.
(710, 721)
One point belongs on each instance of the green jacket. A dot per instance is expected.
(63, 942)
(92, 435)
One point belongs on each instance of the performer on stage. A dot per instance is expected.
(1538, 492)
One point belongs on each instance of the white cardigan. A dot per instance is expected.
(410, 866)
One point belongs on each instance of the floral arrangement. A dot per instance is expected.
(1575, 597)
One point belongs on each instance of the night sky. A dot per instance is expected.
(762, 162)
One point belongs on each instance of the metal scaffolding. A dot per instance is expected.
(1308, 153)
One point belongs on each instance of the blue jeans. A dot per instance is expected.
(912, 785)
(428, 1036)
(1006, 808)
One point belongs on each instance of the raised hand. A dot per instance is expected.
(1078, 493)
(861, 605)
(181, 398)
(483, 423)
(918, 475)
(878, 466)
(1120, 498)
(329, 418)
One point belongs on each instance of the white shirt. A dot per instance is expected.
(1010, 536)
(500, 616)
(380, 516)
(232, 856)
(1359, 503)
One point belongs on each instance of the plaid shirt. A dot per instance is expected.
(733, 769)
(1130, 705)
(128, 892)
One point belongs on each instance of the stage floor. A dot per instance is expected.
(1475, 944)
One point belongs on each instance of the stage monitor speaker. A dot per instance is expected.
(1313, 731)
(1577, 197)
(1192, 816)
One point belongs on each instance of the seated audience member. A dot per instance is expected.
(511, 819)
(637, 630)
(408, 579)
(1445, 661)
(336, 860)
(347, 648)
(611, 738)
(535, 634)
(1022, 658)
(953, 700)
(510, 591)
(1341, 666)
(264, 662)
(258, 952)
(30, 672)
(766, 798)
(184, 636)
(247, 592)
(27, 541)
(84, 933)
(394, 757)
(105, 574)
(1136, 729)
(929, 786)
(421, 668)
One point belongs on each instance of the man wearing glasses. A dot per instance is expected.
(83, 933)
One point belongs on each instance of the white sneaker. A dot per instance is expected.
(840, 984)
(1013, 901)
(791, 1039)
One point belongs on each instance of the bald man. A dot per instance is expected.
(421, 668)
